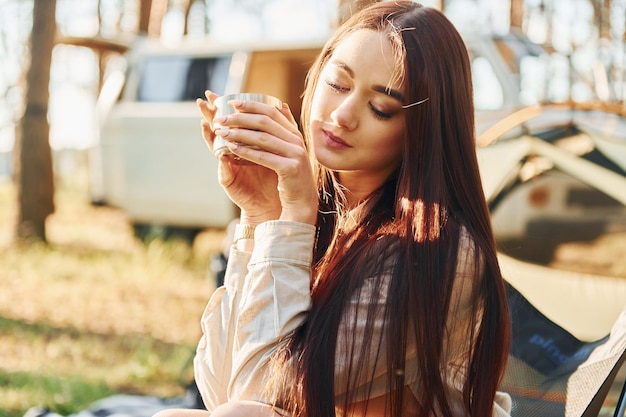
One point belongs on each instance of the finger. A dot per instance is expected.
(266, 141)
(286, 111)
(206, 109)
(207, 134)
(281, 116)
(225, 174)
(279, 159)
(211, 97)
(260, 130)
(246, 153)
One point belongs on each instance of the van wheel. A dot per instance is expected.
(148, 232)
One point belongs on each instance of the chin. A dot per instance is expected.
(324, 157)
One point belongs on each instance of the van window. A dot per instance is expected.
(181, 78)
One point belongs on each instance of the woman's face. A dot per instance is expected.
(357, 119)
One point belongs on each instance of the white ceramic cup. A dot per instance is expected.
(224, 109)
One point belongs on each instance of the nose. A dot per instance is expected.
(345, 114)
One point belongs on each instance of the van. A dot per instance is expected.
(150, 159)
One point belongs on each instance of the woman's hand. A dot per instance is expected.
(277, 182)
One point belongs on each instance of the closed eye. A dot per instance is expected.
(336, 87)
(381, 114)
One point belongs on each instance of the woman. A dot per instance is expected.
(370, 286)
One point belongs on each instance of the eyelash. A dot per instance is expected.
(377, 113)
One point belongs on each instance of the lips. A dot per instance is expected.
(334, 141)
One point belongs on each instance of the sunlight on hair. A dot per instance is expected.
(426, 220)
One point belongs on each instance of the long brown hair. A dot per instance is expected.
(410, 230)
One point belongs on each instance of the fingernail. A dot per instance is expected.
(220, 119)
(236, 103)
(222, 131)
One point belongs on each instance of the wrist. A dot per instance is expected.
(254, 220)
(308, 216)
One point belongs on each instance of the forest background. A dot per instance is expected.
(87, 310)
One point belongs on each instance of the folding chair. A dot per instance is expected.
(552, 372)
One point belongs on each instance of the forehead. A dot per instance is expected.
(370, 55)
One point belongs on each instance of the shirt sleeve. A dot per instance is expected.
(265, 297)
(213, 362)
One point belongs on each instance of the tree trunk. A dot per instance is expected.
(159, 8)
(602, 15)
(145, 9)
(186, 5)
(517, 14)
(35, 182)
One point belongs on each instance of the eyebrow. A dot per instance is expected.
(379, 88)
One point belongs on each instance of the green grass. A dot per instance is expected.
(63, 395)
(87, 367)
(96, 312)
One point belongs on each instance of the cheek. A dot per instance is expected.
(318, 104)
(394, 140)
(399, 138)
(316, 115)
(390, 134)
(317, 142)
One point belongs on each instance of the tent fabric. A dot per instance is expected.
(551, 373)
